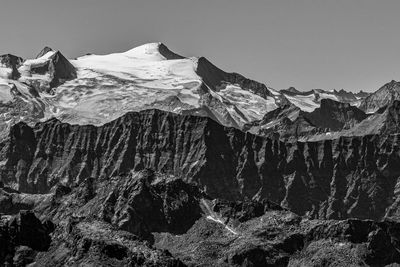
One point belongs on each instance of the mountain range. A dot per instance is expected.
(150, 158)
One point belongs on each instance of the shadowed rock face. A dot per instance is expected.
(216, 79)
(58, 67)
(346, 177)
(335, 115)
(144, 202)
(168, 54)
(60, 70)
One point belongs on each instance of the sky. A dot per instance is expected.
(307, 44)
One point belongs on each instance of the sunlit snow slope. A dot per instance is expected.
(107, 86)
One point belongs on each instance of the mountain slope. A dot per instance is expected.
(384, 122)
(284, 123)
(290, 123)
(383, 97)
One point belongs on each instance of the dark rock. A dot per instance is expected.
(30, 231)
(341, 178)
(216, 79)
(291, 90)
(335, 115)
(126, 203)
(168, 54)
(21, 236)
(23, 256)
(60, 70)
(12, 62)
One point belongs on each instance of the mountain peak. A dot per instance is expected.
(147, 50)
(292, 90)
(44, 51)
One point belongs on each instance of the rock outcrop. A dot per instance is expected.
(340, 178)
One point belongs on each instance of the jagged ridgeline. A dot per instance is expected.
(339, 178)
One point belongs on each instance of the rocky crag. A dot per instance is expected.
(340, 178)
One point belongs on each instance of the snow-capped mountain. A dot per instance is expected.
(151, 76)
(95, 89)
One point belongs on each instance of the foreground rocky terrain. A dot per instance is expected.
(149, 158)
(108, 223)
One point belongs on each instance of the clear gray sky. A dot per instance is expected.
(350, 44)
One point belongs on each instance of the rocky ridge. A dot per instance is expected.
(340, 178)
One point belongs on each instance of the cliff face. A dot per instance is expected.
(346, 177)
(335, 115)
(37, 158)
